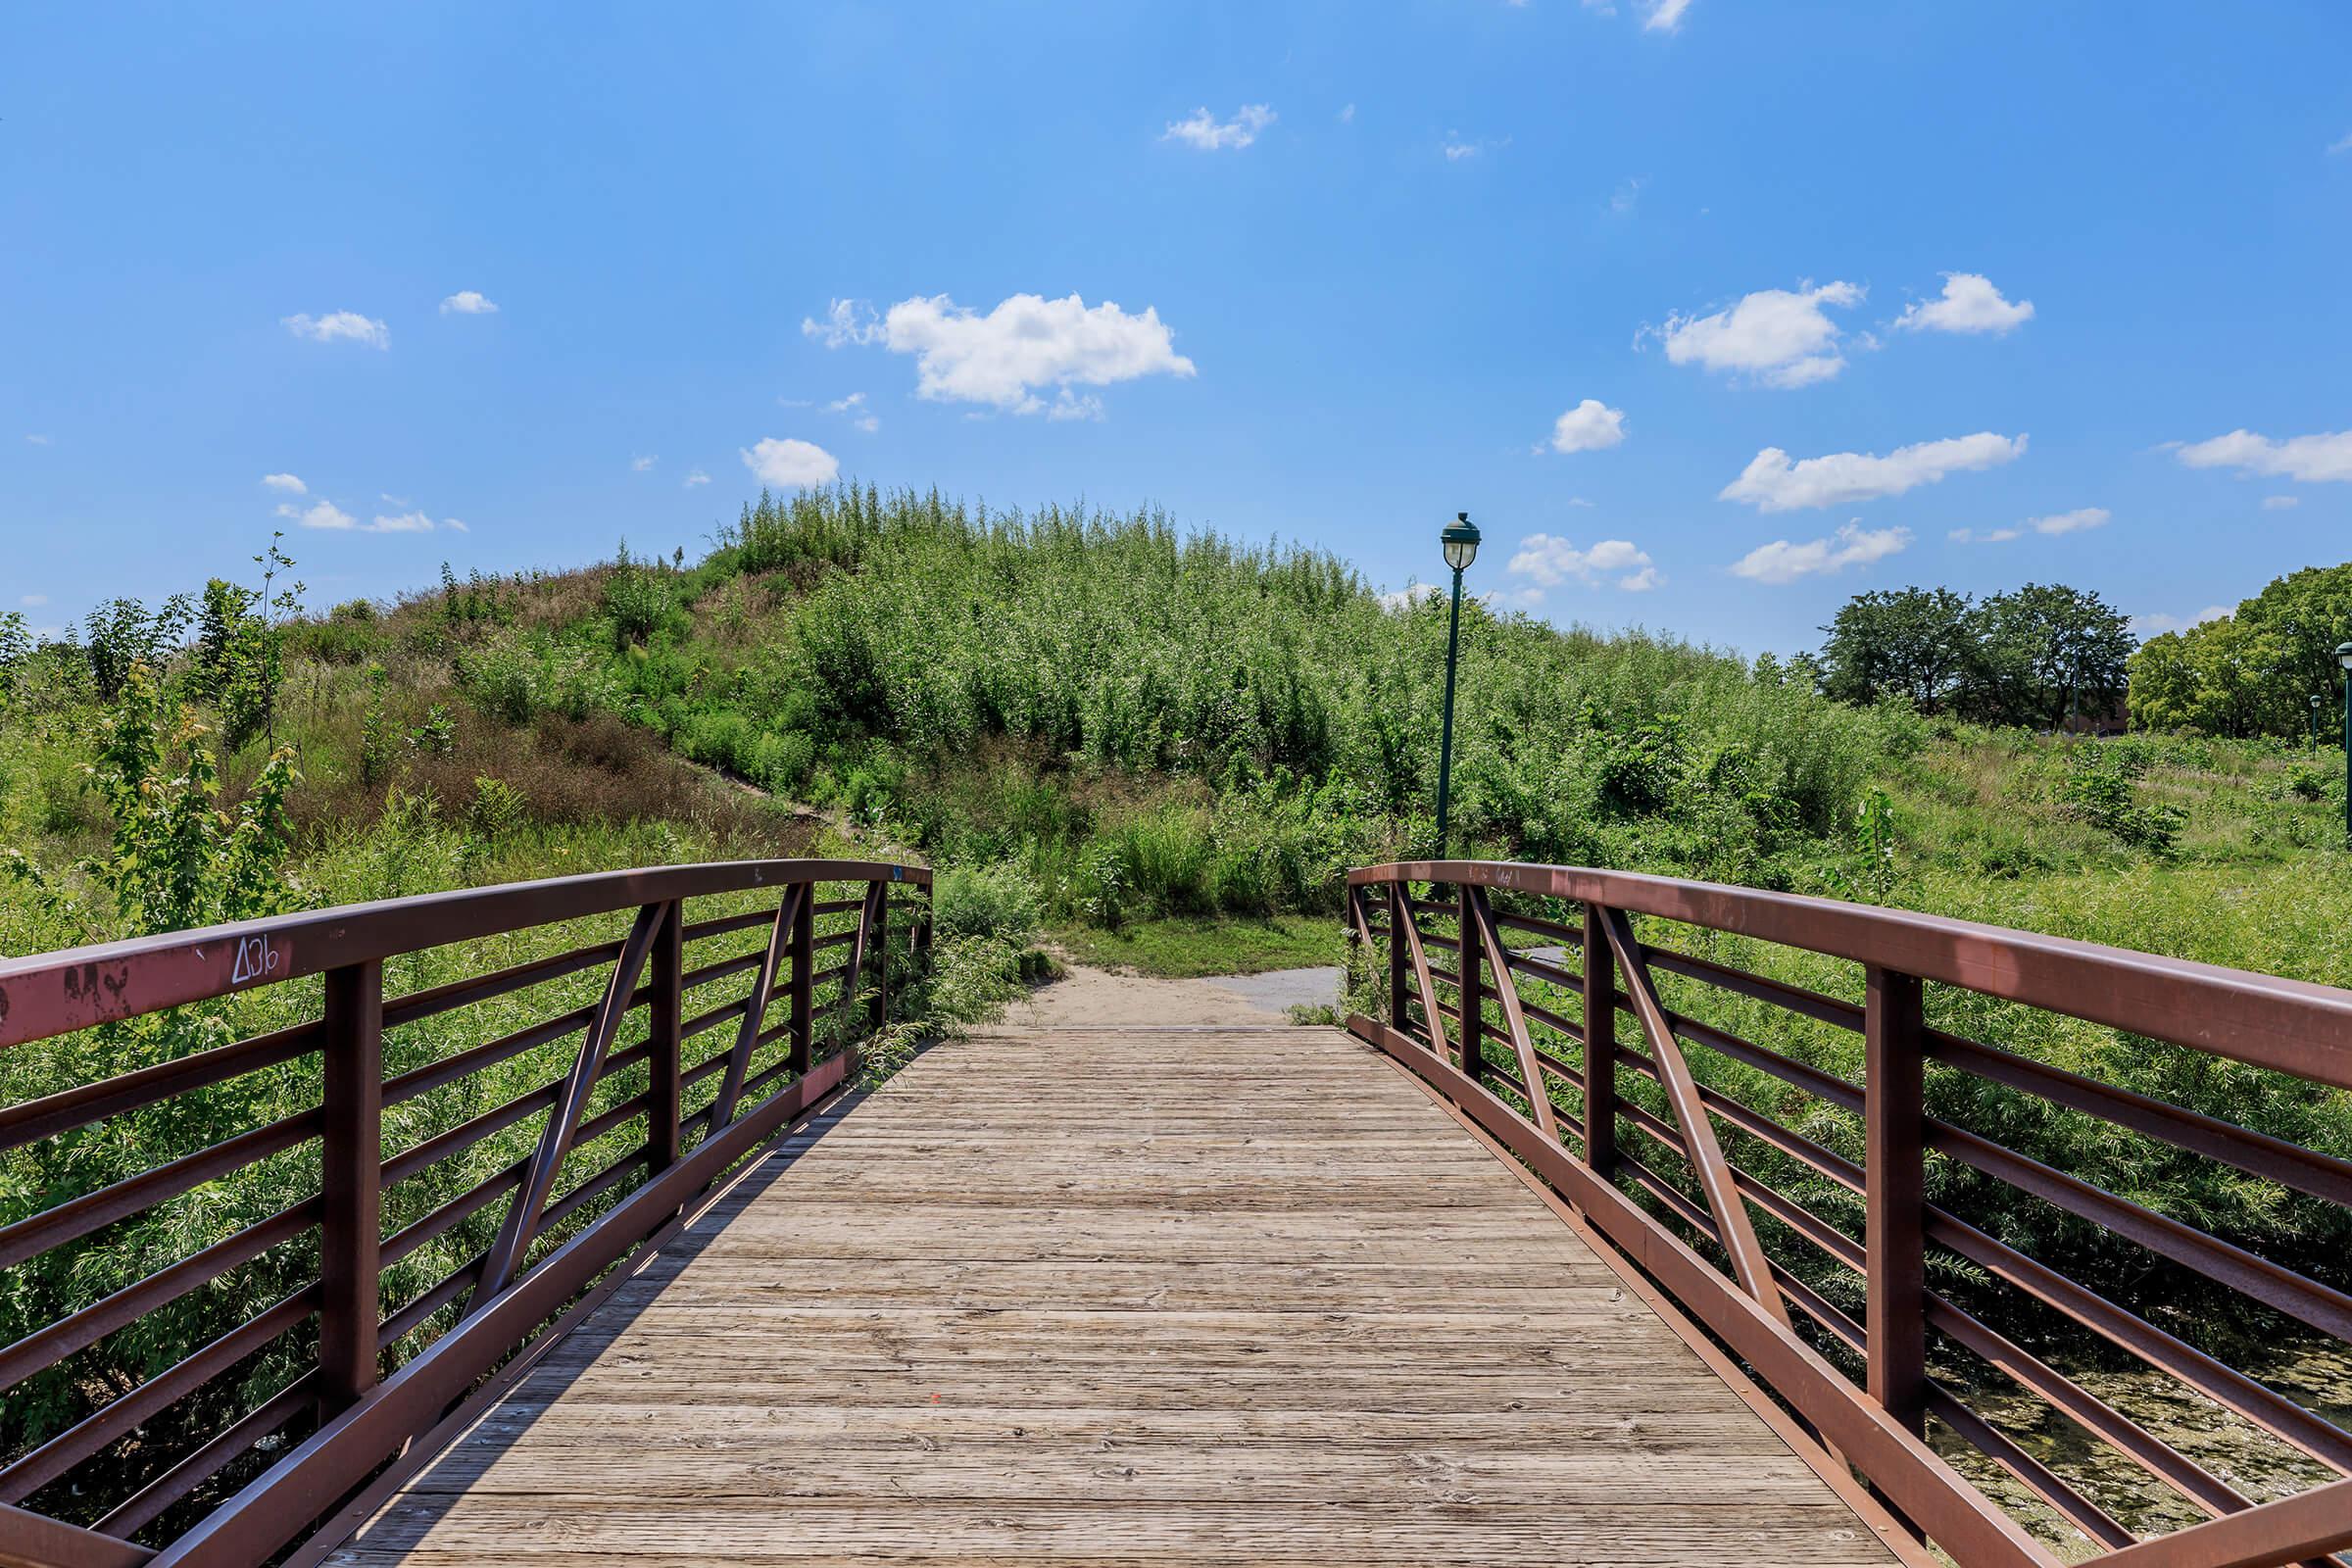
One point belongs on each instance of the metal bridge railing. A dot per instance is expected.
(1638, 1145)
(392, 1113)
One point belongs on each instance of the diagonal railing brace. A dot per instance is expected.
(746, 1034)
(1733, 1227)
(1506, 990)
(564, 1121)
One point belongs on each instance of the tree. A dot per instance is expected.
(2044, 653)
(1913, 642)
(2252, 672)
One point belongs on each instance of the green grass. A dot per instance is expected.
(1186, 949)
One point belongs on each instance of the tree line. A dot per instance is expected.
(2256, 671)
(2041, 657)
(2047, 656)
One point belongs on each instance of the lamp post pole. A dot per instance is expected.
(2343, 659)
(1459, 541)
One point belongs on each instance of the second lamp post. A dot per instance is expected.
(1461, 542)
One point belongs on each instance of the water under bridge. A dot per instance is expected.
(578, 1237)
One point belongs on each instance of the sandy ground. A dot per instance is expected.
(1097, 996)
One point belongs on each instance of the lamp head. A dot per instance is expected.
(1460, 541)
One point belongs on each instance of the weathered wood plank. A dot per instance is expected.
(1124, 1296)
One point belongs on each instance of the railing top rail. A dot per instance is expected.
(2292, 1026)
(55, 993)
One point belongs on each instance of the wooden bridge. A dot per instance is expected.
(493, 1286)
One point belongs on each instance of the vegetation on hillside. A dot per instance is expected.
(1149, 740)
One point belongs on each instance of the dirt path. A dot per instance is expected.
(1094, 997)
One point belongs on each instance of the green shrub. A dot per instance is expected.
(996, 902)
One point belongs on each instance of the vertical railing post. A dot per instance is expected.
(1400, 984)
(1600, 1045)
(877, 905)
(802, 1028)
(351, 1183)
(665, 996)
(1465, 928)
(922, 934)
(1894, 1225)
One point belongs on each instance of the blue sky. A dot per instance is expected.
(1323, 271)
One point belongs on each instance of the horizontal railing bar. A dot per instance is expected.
(1568, 936)
(718, 926)
(2291, 1026)
(111, 1420)
(2284, 1530)
(45, 1347)
(1548, 973)
(407, 1086)
(456, 1283)
(1814, 1005)
(1838, 1092)
(572, 1202)
(141, 1509)
(2083, 1407)
(32, 1120)
(1828, 1238)
(419, 1006)
(466, 1134)
(2225, 1384)
(1554, 1020)
(77, 1217)
(836, 905)
(1445, 976)
(49, 994)
(823, 975)
(2272, 1284)
(839, 939)
(2037, 1478)
(1836, 1167)
(720, 969)
(713, 1019)
(2322, 1176)
(453, 1213)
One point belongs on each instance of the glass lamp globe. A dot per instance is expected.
(1460, 540)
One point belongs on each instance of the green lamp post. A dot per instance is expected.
(1460, 543)
(2343, 659)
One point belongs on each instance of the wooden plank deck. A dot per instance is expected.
(1125, 1296)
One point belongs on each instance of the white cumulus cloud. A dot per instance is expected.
(1005, 358)
(790, 464)
(1778, 336)
(2311, 459)
(1970, 303)
(319, 515)
(38, 440)
(339, 326)
(1591, 427)
(286, 482)
(1204, 131)
(1664, 15)
(33, 601)
(1771, 482)
(696, 477)
(2280, 502)
(1781, 562)
(469, 302)
(2150, 625)
(644, 465)
(1411, 594)
(1548, 561)
(2069, 522)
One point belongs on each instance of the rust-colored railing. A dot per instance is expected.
(617, 1160)
(1514, 1025)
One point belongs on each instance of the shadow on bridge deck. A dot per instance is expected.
(1127, 1295)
